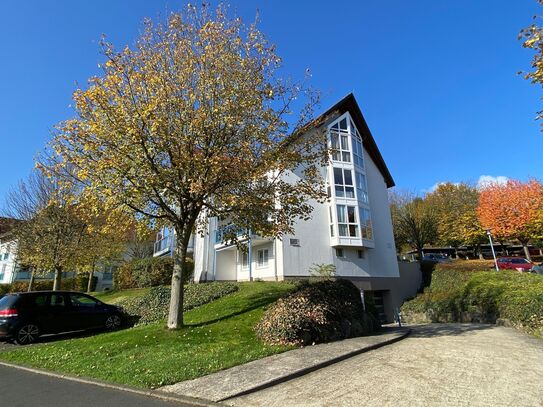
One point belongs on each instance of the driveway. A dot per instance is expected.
(438, 365)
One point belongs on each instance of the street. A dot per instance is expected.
(25, 389)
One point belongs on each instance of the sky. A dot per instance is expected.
(437, 81)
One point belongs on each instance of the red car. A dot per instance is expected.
(514, 263)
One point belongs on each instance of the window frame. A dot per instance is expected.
(265, 258)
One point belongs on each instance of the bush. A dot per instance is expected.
(465, 295)
(154, 305)
(79, 283)
(148, 272)
(321, 311)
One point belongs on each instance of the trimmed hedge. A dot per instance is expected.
(320, 311)
(79, 283)
(154, 305)
(148, 272)
(480, 296)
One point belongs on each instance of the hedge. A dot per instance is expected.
(154, 305)
(481, 296)
(148, 272)
(320, 311)
(79, 283)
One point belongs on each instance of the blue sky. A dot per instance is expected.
(436, 80)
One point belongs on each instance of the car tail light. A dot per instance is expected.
(8, 313)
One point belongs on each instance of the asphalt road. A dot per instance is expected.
(21, 388)
(438, 365)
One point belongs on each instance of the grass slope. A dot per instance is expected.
(217, 335)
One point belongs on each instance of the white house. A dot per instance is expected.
(12, 271)
(352, 231)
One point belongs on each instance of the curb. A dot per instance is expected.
(197, 402)
(406, 332)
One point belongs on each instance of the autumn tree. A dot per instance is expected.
(455, 206)
(50, 230)
(414, 221)
(513, 210)
(532, 38)
(106, 237)
(193, 122)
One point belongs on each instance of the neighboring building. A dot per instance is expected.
(8, 251)
(353, 231)
(11, 270)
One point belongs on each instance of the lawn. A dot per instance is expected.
(217, 335)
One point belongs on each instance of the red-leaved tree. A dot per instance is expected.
(513, 210)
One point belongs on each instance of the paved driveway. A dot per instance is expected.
(438, 365)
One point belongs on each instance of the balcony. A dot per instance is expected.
(228, 230)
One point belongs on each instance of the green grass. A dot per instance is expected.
(217, 336)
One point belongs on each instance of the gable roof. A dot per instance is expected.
(349, 104)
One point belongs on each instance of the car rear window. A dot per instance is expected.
(7, 301)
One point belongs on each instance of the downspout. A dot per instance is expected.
(275, 258)
(212, 247)
(250, 254)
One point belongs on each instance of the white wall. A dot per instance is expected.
(314, 237)
(382, 259)
(226, 265)
(7, 266)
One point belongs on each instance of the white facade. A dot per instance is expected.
(352, 231)
(8, 261)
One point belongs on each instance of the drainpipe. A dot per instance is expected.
(212, 247)
(275, 257)
(250, 254)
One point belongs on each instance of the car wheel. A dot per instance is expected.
(113, 321)
(27, 334)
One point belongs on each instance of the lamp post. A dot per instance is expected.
(488, 232)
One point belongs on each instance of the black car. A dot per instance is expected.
(26, 316)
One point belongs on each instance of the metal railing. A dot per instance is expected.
(223, 231)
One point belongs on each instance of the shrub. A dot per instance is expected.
(154, 305)
(79, 283)
(465, 295)
(148, 272)
(321, 311)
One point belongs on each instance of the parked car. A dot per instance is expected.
(538, 268)
(436, 258)
(514, 263)
(24, 317)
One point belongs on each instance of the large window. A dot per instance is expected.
(346, 220)
(358, 155)
(365, 223)
(343, 183)
(361, 189)
(339, 141)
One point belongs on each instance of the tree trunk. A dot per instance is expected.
(175, 316)
(526, 251)
(32, 278)
(58, 278)
(91, 275)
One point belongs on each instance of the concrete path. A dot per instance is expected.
(276, 369)
(437, 365)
